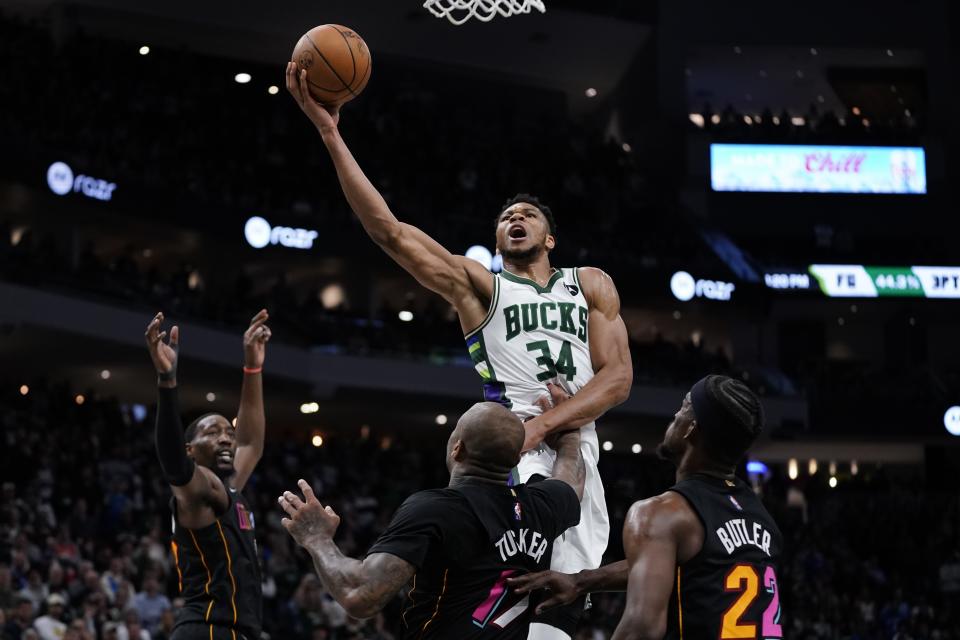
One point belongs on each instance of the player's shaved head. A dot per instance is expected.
(490, 438)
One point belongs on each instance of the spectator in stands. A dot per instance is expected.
(131, 629)
(51, 626)
(21, 619)
(150, 604)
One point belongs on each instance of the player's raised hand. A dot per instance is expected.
(561, 588)
(255, 340)
(309, 520)
(325, 118)
(163, 354)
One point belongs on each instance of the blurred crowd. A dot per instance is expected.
(84, 532)
(191, 147)
(816, 124)
(184, 140)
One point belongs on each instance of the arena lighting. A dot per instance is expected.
(24, 389)
(441, 419)
(309, 407)
(482, 255)
(833, 467)
(317, 441)
(144, 50)
(860, 281)
(273, 89)
(590, 92)
(607, 445)
(242, 78)
(80, 399)
(812, 466)
(626, 147)
(951, 420)
(636, 448)
(211, 396)
(854, 468)
(105, 374)
(139, 412)
(755, 466)
(685, 287)
(793, 470)
(833, 482)
(405, 316)
(332, 296)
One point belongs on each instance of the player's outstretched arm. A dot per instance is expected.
(361, 587)
(658, 533)
(251, 422)
(569, 466)
(198, 491)
(564, 588)
(610, 353)
(455, 278)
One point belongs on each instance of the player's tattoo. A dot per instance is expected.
(363, 588)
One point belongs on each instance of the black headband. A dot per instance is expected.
(710, 415)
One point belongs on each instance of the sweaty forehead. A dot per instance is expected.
(522, 207)
(213, 421)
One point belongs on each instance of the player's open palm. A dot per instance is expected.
(309, 520)
(255, 340)
(163, 354)
(324, 117)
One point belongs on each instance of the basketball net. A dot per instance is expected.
(459, 11)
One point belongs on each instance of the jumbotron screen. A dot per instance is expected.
(770, 168)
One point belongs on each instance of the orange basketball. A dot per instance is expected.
(337, 61)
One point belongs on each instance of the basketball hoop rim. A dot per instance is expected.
(458, 12)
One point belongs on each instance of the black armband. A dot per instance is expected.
(177, 466)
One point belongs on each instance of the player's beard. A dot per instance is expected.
(522, 255)
(666, 452)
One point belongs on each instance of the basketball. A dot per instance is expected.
(337, 61)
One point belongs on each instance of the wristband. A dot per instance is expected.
(167, 376)
(252, 370)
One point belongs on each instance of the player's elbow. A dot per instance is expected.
(639, 629)
(359, 607)
(386, 235)
(621, 384)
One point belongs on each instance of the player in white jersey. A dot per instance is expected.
(526, 327)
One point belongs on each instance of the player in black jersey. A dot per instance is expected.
(213, 528)
(458, 544)
(702, 558)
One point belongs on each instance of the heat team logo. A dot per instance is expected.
(244, 518)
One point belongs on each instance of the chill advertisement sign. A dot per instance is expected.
(770, 168)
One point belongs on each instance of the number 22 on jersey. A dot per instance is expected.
(745, 579)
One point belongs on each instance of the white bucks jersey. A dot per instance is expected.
(532, 335)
